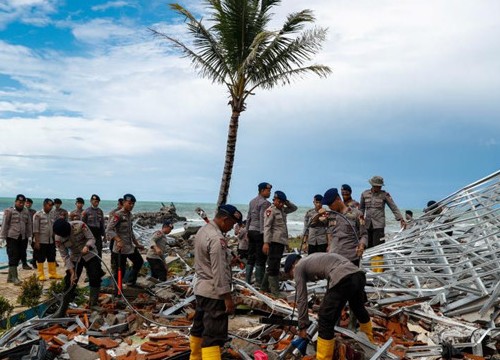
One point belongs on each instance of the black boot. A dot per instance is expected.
(12, 277)
(61, 312)
(132, 278)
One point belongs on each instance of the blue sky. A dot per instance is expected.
(90, 103)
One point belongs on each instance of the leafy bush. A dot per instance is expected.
(5, 308)
(31, 291)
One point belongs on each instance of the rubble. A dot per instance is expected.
(151, 219)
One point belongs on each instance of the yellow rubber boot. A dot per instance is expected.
(41, 273)
(377, 263)
(368, 330)
(195, 346)
(211, 353)
(53, 272)
(325, 349)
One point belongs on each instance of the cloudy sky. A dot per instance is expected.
(91, 102)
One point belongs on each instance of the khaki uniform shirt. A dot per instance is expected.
(16, 224)
(255, 217)
(71, 247)
(121, 225)
(76, 215)
(42, 225)
(319, 266)
(352, 203)
(159, 239)
(212, 260)
(347, 231)
(243, 239)
(94, 218)
(275, 229)
(59, 214)
(372, 204)
(316, 233)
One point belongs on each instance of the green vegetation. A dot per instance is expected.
(5, 308)
(31, 291)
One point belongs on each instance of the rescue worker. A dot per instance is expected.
(76, 245)
(119, 206)
(44, 244)
(158, 250)
(241, 233)
(28, 204)
(125, 244)
(255, 226)
(93, 216)
(315, 232)
(78, 212)
(346, 192)
(212, 263)
(372, 205)
(58, 212)
(275, 240)
(16, 229)
(346, 283)
(349, 237)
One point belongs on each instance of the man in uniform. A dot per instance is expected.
(119, 206)
(372, 205)
(44, 243)
(346, 192)
(346, 283)
(125, 244)
(28, 204)
(315, 233)
(78, 212)
(158, 250)
(58, 212)
(349, 237)
(212, 263)
(255, 226)
(275, 240)
(16, 229)
(76, 245)
(93, 216)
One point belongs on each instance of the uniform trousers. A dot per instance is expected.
(375, 236)
(255, 255)
(14, 250)
(210, 321)
(311, 249)
(121, 261)
(349, 289)
(98, 239)
(46, 252)
(94, 272)
(276, 251)
(158, 269)
(24, 255)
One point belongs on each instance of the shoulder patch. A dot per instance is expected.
(268, 212)
(223, 243)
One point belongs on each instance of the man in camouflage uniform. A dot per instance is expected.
(212, 262)
(44, 244)
(275, 239)
(158, 250)
(372, 205)
(315, 232)
(255, 226)
(78, 212)
(125, 244)
(16, 229)
(93, 216)
(346, 192)
(76, 245)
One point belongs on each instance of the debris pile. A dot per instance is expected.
(151, 219)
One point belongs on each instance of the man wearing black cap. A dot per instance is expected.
(255, 226)
(346, 283)
(125, 244)
(78, 212)
(158, 250)
(76, 245)
(275, 240)
(16, 229)
(93, 216)
(346, 192)
(212, 263)
(315, 233)
(349, 236)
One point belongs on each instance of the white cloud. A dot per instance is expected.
(21, 107)
(33, 12)
(112, 5)
(99, 30)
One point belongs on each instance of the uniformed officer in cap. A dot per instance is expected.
(212, 263)
(28, 204)
(158, 250)
(372, 205)
(77, 213)
(316, 237)
(16, 229)
(93, 216)
(125, 244)
(346, 192)
(76, 245)
(58, 212)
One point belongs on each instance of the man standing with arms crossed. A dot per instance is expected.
(255, 226)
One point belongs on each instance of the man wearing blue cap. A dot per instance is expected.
(255, 226)
(212, 264)
(158, 250)
(275, 239)
(315, 233)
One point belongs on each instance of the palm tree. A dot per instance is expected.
(238, 51)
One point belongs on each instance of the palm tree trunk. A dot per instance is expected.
(229, 162)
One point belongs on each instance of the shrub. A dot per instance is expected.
(31, 291)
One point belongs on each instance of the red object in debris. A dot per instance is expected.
(259, 355)
(119, 273)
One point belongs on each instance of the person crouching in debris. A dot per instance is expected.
(346, 283)
(158, 250)
(212, 263)
(76, 245)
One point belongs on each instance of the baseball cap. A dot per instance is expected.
(265, 185)
(20, 197)
(290, 260)
(330, 196)
(62, 228)
(232, 211)
(80, 200)
(129, 197)
(95, 197)
(346, 187)
(280, 195)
